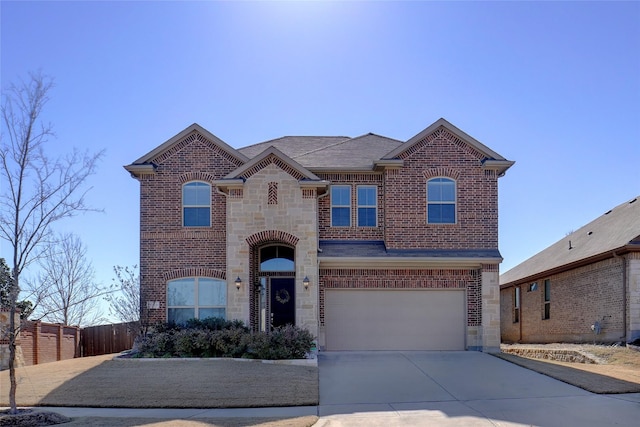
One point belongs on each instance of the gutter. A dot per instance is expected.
(423, 262)
(624, 293)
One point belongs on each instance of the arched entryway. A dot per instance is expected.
(273, 273)
(276, 291)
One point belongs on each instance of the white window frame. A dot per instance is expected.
(348, 206)
(440, 202)
(184, 206)
(374, 207)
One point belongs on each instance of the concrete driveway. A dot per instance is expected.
(456, 388)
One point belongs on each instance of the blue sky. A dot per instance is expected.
(554, 86)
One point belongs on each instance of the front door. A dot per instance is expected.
(283, 301)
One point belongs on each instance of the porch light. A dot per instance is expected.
(238, 283)
(305, 282)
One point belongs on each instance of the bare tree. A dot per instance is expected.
(65, 289)
(36, 190)
(125, 297)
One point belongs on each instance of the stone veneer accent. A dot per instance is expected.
(253, 221)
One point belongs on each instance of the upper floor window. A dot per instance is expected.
(340, 206)
(196, 204)
(196, 298)
(441, 201)
(367, 206)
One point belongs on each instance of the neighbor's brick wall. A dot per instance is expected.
(579, 298)
(47, 342)
(441, 154)
(353, 232)
(633, 307)
(167, 249)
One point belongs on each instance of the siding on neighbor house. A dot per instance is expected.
(579, 298)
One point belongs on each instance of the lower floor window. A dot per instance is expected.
(196, 298)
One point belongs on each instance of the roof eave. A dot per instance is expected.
(137, 170)
(382, 164)
(415, 262)
(330, 169)
(500, 166)
(572, 265)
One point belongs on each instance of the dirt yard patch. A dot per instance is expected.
(605, 369)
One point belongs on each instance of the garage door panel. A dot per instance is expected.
(395, 319)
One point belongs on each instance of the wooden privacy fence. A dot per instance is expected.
(106, 339)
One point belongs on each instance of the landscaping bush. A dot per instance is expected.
(285, 342)
(214, 337)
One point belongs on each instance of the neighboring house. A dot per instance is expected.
(370, 243)
(583, 288)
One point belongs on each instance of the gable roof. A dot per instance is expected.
(144, 163)
(617, 230)
(330, 152)
(491, 159)
(286, 163)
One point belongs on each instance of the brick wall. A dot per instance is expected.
(167, 249)
(46, 342)
(353, 232)
(579, 298)
(441, 154)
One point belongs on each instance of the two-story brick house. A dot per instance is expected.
(368, 242)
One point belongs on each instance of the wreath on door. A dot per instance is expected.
(282, 296)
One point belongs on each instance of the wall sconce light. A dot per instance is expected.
(305, 282)
(238, 283)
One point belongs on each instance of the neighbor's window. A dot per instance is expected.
(340, 206)
(367, 206)
(196, 204)
(441, 201)
(547, 299)
(516, 304)
(196, 298)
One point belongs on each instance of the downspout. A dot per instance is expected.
(624, 294)
(520, 313)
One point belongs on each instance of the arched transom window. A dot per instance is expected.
(277, 258)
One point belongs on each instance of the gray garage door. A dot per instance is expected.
(367, 319)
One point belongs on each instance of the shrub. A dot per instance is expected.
(285, 342)
(214, 337)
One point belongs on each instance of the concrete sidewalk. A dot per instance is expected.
(179, 413)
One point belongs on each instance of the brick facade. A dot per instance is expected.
(165, 244)
(580, 297)
(270, 199)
